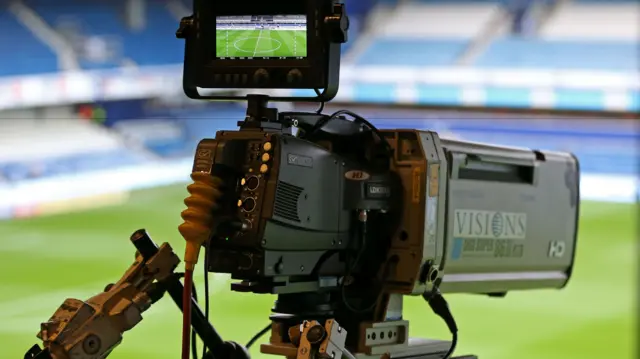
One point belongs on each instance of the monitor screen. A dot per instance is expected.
(261, 37)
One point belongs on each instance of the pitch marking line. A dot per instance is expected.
(235, 44)
(257, 42)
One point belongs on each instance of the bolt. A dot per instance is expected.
(302, 268)
(264, 241)
(303, 351)
(339, 329)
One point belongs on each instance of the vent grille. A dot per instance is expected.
(286, 205)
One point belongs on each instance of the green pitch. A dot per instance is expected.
(45, 260)
(261, 43)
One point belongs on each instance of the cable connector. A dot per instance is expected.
(198, 217)
(441, 308)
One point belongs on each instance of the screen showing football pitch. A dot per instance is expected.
(261, 36)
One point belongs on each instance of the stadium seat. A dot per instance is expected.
(615, 152)
(409, 52)
(157, 43)
(94, 18)
(606, 1)
(70, 164)
(22, 52)
(612, 155)
(426, 33)
(603, 20)
(164, 137)
(548, 54)
(154, 45)
(462, 1)
(46, 141)
(170, 148)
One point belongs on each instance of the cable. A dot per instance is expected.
(258, 336)
(351, 268)
(346, 303)
(186, 312)
(357, 119)
(196, 229)
(206, 292)
(454, 342)
(441, 308)
(363, 245)
(194, 343)
(319, 110)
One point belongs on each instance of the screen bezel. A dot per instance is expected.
(207, 22)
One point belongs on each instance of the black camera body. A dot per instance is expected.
(288, 44)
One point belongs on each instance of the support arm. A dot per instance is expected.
(93, 328)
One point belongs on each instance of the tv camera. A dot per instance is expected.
(341, 220)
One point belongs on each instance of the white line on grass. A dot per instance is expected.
(25, 314)
(50, 300)
(257, 42)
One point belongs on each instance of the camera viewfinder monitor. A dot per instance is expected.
(267, 37)
(250, 44)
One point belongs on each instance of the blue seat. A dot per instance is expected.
(532, 53)
(65, 165)
(199, 128)
(154, 45)
(601, 151)
(445, 2)
(14, 171)
(22, 52)
(170, 148)
(607, 2)
(95, 19)
(411, 52)
(618, 163)
(157, 43)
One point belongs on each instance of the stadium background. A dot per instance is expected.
(96, 139)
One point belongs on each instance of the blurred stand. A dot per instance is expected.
(91, 106)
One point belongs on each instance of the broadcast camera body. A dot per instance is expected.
(341, 220)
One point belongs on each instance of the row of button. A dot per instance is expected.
(260, 77)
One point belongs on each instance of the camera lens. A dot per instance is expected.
(249, 204)
(252, 183)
